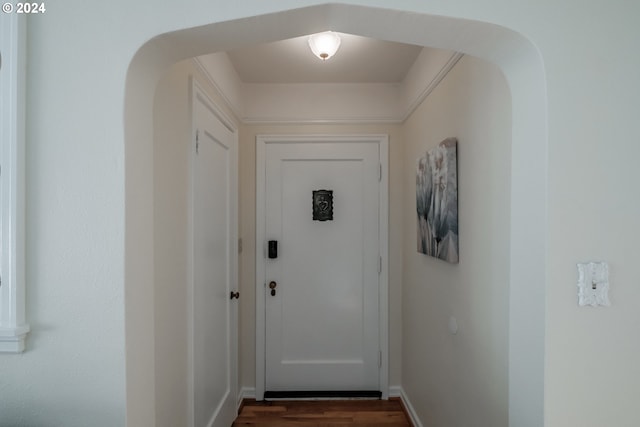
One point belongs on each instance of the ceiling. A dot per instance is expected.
(359, 60)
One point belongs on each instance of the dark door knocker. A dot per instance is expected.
(323, 205)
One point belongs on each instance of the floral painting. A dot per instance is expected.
(437, 202)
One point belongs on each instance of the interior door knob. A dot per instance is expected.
(235, 295)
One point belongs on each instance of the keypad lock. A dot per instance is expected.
(272, 286)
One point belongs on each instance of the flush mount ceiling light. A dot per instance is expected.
(324, 45)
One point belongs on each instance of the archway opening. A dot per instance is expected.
(512, 53)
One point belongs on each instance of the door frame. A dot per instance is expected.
(262, 141)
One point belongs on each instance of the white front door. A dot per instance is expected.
(322, 293)
(214, 321)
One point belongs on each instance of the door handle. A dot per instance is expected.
(235, 295)
(272, 286)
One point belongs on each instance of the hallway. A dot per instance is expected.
(474, 292)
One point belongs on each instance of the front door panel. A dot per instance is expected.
(322, 327)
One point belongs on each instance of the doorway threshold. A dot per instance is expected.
(323, 395)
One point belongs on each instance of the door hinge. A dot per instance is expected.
(380, 265)
(380, 359)
(380, 172)
(197, 141)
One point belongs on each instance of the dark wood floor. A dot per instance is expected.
(326, 413)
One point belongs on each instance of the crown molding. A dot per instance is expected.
(327, 121)
(271, 114)
(432, 84)
(235, 109)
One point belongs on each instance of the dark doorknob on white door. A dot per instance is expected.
(272, 286)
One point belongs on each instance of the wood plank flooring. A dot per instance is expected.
(325, 413)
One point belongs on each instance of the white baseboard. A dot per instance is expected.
(246, 393)
(407, 404)
(395, 391)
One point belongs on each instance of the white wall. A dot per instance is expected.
(72, 372)
(85, 184)
(593, 378)
(172, 140)
(462, 379)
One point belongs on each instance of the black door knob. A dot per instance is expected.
(272, 286)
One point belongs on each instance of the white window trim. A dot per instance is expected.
(13, 326)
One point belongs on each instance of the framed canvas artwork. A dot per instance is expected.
(437, 201)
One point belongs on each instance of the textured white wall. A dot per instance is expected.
(172, 142)
(78, 199)
(462, 379)
(593, 378)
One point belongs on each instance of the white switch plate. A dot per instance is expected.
(593, 284)
(453, 325)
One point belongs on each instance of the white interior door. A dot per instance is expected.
(214, 338)
(322, 325)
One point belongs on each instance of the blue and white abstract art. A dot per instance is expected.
(437, 202)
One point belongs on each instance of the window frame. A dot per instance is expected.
(13, 325)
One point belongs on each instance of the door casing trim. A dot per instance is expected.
(262, 141)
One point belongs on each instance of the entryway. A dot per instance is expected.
(514, 54)
(321, 267)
